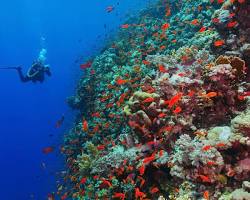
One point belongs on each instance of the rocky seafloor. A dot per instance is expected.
(164, 111)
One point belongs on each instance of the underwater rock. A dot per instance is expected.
(241, 123)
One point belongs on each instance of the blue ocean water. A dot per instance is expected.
(71, 31)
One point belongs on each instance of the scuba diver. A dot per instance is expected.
(36, 72)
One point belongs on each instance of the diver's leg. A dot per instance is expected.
(21, 76)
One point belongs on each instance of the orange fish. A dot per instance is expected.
(181, 74)
(85, 125)
(206, 195)
(149, 159)
(231, 15)
(105, 183)
(215, 20)
(211, 94)
(241, 1)
(206, 147)
(148, 100)
(205, 179)
(161, 153)
(162, 69)
(139, 194)
(110, 9)
(145, 62)
(232, 24)
(83, 180)
(219, 43)
(47, 150)
(220, 1)
(154, 190)
(125, 26)
(168, 12)
(191, 93)
(162, 115)
(101, 147)
(211, 163)
(220, 144)
(142, 170)
(96, 114)
(121, 81)
(202, 29)
(174, 100)
(119, 195)
(86, 65)
(162, 47)
(165, 26)
(195, 22)
(177, 110)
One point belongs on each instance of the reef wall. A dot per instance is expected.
(164, 113)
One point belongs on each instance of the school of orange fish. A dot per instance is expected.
(148, 104)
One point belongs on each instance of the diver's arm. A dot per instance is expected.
(47, 71)
(21, 76)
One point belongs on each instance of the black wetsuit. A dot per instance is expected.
(36, 73)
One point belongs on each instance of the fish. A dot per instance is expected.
(110, 9)
(232, 24)
(219, 43)
(202, 29)
(162, 47)
(181, 74)
(148, 100)
(145, 62)
(174, 99)
(162, 68)
(211, 94)
(64, 196)
(221, 144)
(59, 122)
(51, 197)
(105, 183)
(85, 125)
(161, 153)
(191, 93)
(142, 170)
(211, 163)
(154, 190)
(162, 115)
(139, 194)
(204, 178)
(215, 20)
(121, 81)
(96, 114)
(165, 26)
(149, 159)
(101, 147)
(119, 195)
(206, 147)
(168, 11)
(83, 180)
(125, 26)
(206, 195)
(177, 110)
(195, 22)
(220, 1)
(86, 65)
(48, 150)
(231, 15)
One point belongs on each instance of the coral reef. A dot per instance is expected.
(164, 112)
